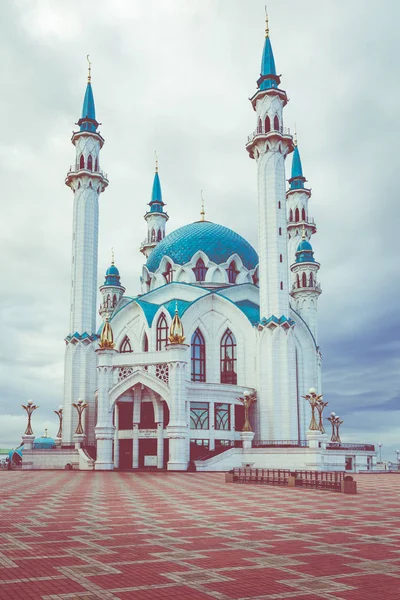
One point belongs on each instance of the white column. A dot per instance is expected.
(104, 429)
(178, 431)
(160, 445)
(135, 446)
(232, 418)
(211, 426)
(116, 438)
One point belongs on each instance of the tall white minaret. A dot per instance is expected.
(87, 181)
(277, 407)
(155, 217)
(297, 198)
(269, 145)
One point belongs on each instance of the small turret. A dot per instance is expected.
(111, 291)
(155, 218)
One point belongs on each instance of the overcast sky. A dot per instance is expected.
(176, 75)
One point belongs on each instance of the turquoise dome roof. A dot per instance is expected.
(44, 442)
(112, 270)
(112, 276)
(304, 252)
(216, 241)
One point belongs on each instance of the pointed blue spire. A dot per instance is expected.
(156, 204)
(88, 121)
(297, 179)
(268, 77)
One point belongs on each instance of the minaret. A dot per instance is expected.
(87, 181)
(269, 145)
(155, 218)
(276, 407)
(297, 207)
(111, 291)
(306, 289)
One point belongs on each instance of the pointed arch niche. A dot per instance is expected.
(126, 345)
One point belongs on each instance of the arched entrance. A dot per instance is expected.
(141, 415)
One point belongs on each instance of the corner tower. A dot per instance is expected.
(87, 181)
(155, 218)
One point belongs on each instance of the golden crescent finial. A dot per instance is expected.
(89, 69)
(112, 256)
(202, 212)
(266, 22)
(156, 156)
(295, 135)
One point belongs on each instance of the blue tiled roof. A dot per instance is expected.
(44, 442)
(156, 204)
(297, 179)
(251, 310)
(88, 110)
(112, 276)
(304, 252)
(268, 67)
(216, 241)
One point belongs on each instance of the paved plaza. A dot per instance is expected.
(191, 536)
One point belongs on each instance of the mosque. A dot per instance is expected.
(165, 376)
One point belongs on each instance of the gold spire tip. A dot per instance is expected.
(112, 256)
(89, 78)
(202, 212)
(295, 135)
(266, 22)
(156, 155)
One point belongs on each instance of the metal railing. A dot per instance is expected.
(365, 447)
(76, 168)
(262, 131)
(280, 443)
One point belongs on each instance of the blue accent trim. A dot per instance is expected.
(268, 61)
(216, 241)
(112, 276)
(251, 310)
(93, 337)
(44, 443)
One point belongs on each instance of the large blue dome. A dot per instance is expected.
(216, 241)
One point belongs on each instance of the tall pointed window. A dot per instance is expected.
(228, 358)
(232, 272)
(96, 164)
(303, 214)
(200, 270)
(168, 273)
(159, 236)
(297, 215)
(267, 124)
(298, 280)
(276, 123)
(145, 343)
(259, 126)
(304, 280)
(311, 280)
(90, 163)
(162, 332)
(126, 345)
(198, 356)
(81, 162)
(290, 215)
(153, 235)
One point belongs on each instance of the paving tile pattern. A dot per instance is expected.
(148, 536)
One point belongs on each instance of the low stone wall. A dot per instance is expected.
(50, 459)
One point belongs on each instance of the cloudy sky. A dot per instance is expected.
(176, 75)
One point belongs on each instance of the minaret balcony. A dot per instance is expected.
(307, 225)
(260, 134)
(77, 171)
(315, 288)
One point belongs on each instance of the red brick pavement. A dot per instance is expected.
(147, 536)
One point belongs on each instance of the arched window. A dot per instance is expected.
(279, 204)
(281, 285)
(145, 343)
(232, 272)
(90, 163)
(259, 126)
(159, 235)
(96, 164)
(168, 273)
(303, 214)
(126, 345)
(81, 162)
(298, 280)
(228, 358)
(108, 301)
(280, 258)
(267, 124)
(276, 123)
(304, 280)
(200, 270)
(153, 235)
(198, 350)
(280, 230)
(290, 215)
(162, 332)
(297, 215)
(311, 280)
(114, 300)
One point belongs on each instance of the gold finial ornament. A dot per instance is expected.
(176, 334)
(89, 78)
(112, 256)
(303, 233)
(156, 155)
(295, 135)
(202, 212)
(80, 407)
(107, 336)
(266, 23)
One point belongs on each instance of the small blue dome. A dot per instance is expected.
(44, 443)
(216, 241)
(304, 252)
(112, 270)
(112, 276)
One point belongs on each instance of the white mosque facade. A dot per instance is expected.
(165, 375)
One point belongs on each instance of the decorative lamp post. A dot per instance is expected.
(80, 407)
(29, 408)
(59, 414)
(315, 401)
(335, 421)
(380, 451)
(247, 433)
(320, 405)
(338, 424)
